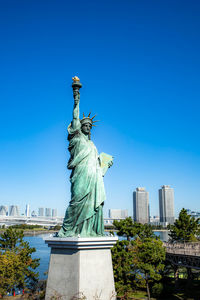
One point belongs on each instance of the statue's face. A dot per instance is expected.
(86, 128)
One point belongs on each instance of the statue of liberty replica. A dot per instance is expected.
(84, 215)
(80, 263)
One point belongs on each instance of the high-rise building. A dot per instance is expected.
(141, 205)
(166, 204)
(27, 210)
(118, 213)
(41, 212)
(3, 210)
(48, 212)
(54, 213)
(14, 211)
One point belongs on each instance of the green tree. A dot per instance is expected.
(8, 262)
(185, 228)
(10, 237)
(125, 228)
(123, 268)
(128, 229)
(145, 231)
(128, 265)
(16, 259)
(148, 260)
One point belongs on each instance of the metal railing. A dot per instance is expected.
(192, 249)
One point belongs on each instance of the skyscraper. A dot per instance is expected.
(3, 210)
(54, 213)
(41, 212)
(166, 204)
(141, 205)
(14, 211)
(27, 210)
(48, 212)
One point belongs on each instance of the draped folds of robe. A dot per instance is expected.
(84, 215)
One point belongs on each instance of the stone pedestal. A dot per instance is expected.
(80, 268)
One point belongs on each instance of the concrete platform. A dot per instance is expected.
(80, 268)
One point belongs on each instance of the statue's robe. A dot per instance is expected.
(84, 215)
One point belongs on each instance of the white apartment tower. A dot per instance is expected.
(166, 204)
(118, 213)
(141, 205)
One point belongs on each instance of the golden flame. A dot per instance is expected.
(75, 78)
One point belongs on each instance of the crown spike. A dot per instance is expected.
(83, 115)
(95, 121)
(93, 117)
(89, 114)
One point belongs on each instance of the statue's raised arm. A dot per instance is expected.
(76, 85)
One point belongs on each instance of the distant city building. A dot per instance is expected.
(108, 222)
(41, 212)
(194, 214)
(155, 220)
(48, 212)
(14, 211)
(118, 213)
(141, 205)
(3, 210)
(27, 210)
(33, 214)
(54, 213)
(166, 204)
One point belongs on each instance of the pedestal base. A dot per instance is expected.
(80, 268)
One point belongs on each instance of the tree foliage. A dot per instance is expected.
(149, 255)
(128, 229)
(185, 228)
(138, 260)
(10, 238)
(16, 263)
(122, 259)
(8, 261)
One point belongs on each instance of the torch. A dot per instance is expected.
(76, 85)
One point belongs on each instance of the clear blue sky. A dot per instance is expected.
(139, 62)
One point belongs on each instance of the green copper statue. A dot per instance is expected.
(84, 215)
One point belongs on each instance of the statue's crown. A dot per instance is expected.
(88, 120)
